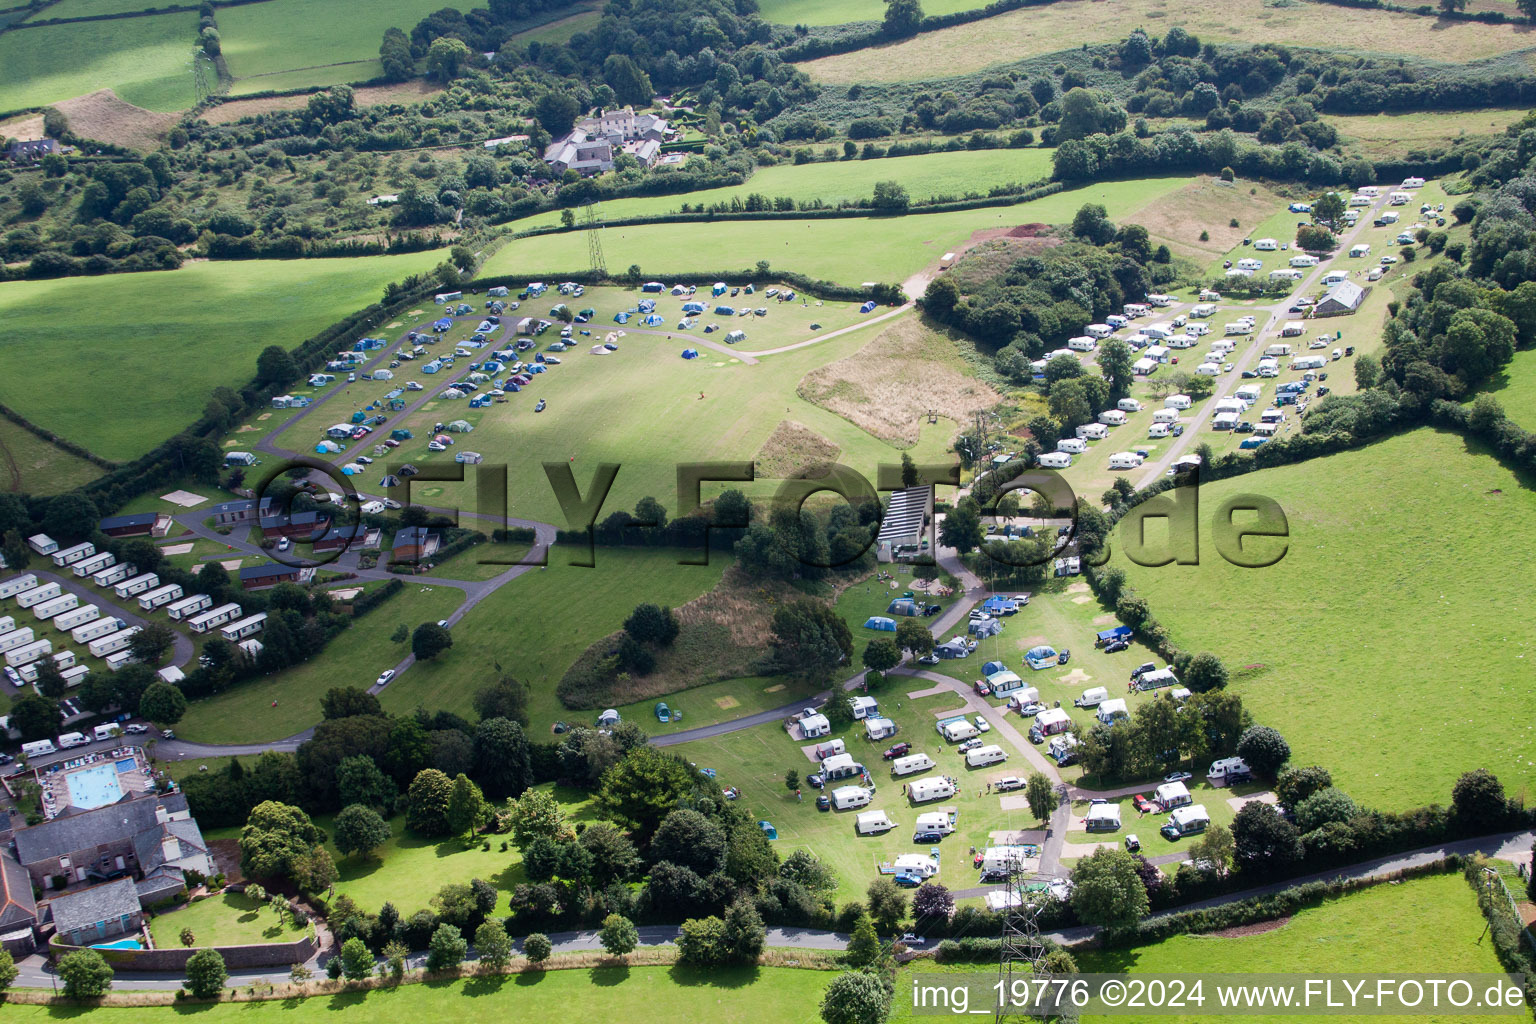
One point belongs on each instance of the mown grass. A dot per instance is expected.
(1380, 644)
(168, 338)
(1515, 388)
(30, 465)
(848, 250)
(293, 36)
(840, 12)
(146, 61)
(90, 8)
(1068, 24)
(228, 919)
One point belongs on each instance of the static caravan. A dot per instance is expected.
(923, 865)
(78, 617)
(112, 574)
(17, 584)
(56, 606)
(1056, 460)
(980, 757)
(911, 765)
(1278, 349)
(160, 596)
(136, 585)
(28, 653)
(1128, 405)
(16, 638)
(1082, 344)
(37, 595)
(871, 823)
(95, 628)
(1052, 721)
(112, 642)
(848, 797)
(958, 730)
(1098, 330)
(1093, 431)
(1112, 418)
(1186, 821)
(75, 675)
(71, 555)
(7, 623)
(1075, 445)
(217, 617)
(924, 790)
(62, 660)
(249, 626)
(1177, 402)
(1125, 460)
(86, 566)
(188, 606)
(117, 659)
(935, 821)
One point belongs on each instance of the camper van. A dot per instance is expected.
(1082, 344)
(924, 790)
(983, 756)
(1125, 460)
(911, 765)
(958, 730)
(848, 797)
(1056, 460)
(1092, 697)
(1074, 445)
(105, 732)
(872, 823)
(1186, 821)
(1227, 770)
(40, 748)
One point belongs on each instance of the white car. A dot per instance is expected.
(136, 729)
(983, 724)
(1387, 261)
(411, 385)
(436, 446)
(384, 677)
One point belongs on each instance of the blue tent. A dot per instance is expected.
(997, 604)
(652, 286)
(693, 307)
(654, 320)
(984, 627)
(725, 310)
(881, 623)
(689, 353)
(768, 829)
(621, 318)
(868, 307)
(442, 325)
(1040, 657)
(903, 606)
(993, 666)
(646, 305)
(1111, 635)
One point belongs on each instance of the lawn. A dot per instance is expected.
(838, 12)
(1373, 644)
(169, 337)
(30, 465)
(721, 995)
(1515, 388)
(1394, 136)
(146, 61)
(481, 562)
(1068, 24)
(261, 40)
(1217, 804)
(273, 707)
(923, 176)
(847, 250)
(872, 597)
(228, 919)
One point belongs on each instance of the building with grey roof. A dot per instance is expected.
(99, 913)
(18, 908)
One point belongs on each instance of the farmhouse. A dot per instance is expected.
(413, 544)
(590, 146)
(26, 151)
(143, 524)
(1342, 299)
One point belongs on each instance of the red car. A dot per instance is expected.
(1144, 804)
(899, 750)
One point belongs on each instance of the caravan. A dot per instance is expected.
(1227, 771)
(1112, 417)
(872, 823)
(924, 790)
(941, 822)
(846, 798)
(911, 765)
(1125, 460)
(958, 730)
(1056, 460)
(1095, 431)
(1082, 344)
(1189, 820)
(1074, 445)
(983, 756)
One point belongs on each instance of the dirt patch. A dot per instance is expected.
(1074, 678)
(226, 858)
(891, 386)
(26, 128)
(366, 96)
(1081, 599)
(795, 451)
(245, 428)
(263, 416)
(101, 115)
(1107, 619)
(726, 703)
(1257, 928)
(775, 688)
(1077, 588)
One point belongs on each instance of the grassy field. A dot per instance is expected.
(169, 338)
(838, 12)
(1068, 24)
(1372, 631)
(147, 61)
(845, 250)
(1218, 803)
(1394, 136)
(89, 8)
(924, 176)
(1515, 388)
(721, 995)
(30, 465)
(229, 919)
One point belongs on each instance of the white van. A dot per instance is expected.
(847, 797)
(105, 732)
(982, 756)
(1128, 405)
(959, 730)
(1092, 697)
(1056, 460)
(1125, 460)
(911, 765)
(1075, 445)
(1228, 770)
(72, 739)
(1177, 402)
(871, 823)
(40, 748)
(924, 790)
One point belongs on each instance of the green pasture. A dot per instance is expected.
(872, 597)
(846, 250)
(89, 8)
(164, 340)
(716, 702)
(227, 919)
(297, 36)
(1515, 388)
(839, 12)
(721, 995)
(30, 465)
(923, 176)
(1377, 630)
(146, 61)
(1394, 136)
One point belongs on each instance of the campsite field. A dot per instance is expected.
(167, 338)
(1068, 24)
(847, 250)
(924, 177)
(30, 465)
(146, 61)
(721, 995)
(1393, 701)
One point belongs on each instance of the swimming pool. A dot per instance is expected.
(127, 764)
(120, 944)
(95, 786)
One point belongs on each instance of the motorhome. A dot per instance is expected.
(924, 790)
(911, 765)
(872, 823)
(983, 756)
(105, 732)
(1226, 770)
(38, 748)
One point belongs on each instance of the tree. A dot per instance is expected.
(150, 644)
(1477, 801)
(447, 949)
(493, 945)
(809, 638)
(887, 904)
(1115, 363)
(1041, 796)
(206, 974)
(556, 111)
(1328, 209)
(274, 837)
(1264, 749)
(882, 655)
(346, 701)
(359, 781)
(85, 974)
(1205, 672)
(8, 970)
(618, 935)
(644, 788)
(275, 366)
(467, 809)
(932, 899)
(506, 698)
(1315, 239)
(688, 838)
(1263, 842)
(70, 517)
(1452, 6)
(902, 18)
(1294, 785)
(35, 716)
(395, 55)
(1216, 847)
(430, 640)
(536, 814)
(426, 811)
(163, 704)
(446, 57)
(631, 86)
(360, 830)
(856, 997)
(356, 959)
(187, 936)
(1107, 890)
(913, 636)
(745, 935)
(1324, 806)
(864, 946)
(961, 527)
(652, 624)
(702, 942)
(537, 948)
(890, 196)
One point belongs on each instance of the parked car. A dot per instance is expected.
(899, 750)
(1031, 709)
(908, 881)
(1177, 777)
(1132, 843)
(136, 729)
(1008, 784)
(910, 939)
(1145, 804)
(928, 659)
(1143, 669)
(815, 781)
(823, 802)
(1116, 646)
(969, 745)
(1036, 735)
(928, 837)
(384, 677)
(982, 724)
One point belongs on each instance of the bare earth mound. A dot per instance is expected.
(890, 385)
(365, 96)
(791, 449)
(102, 116)
(25, 128)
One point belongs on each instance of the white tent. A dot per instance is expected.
(1103, 816)
(1173, 794)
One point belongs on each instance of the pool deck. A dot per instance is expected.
(58, 794)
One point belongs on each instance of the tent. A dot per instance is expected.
(903, 606)
(997, 604)
(663, 713)
(609, 717)
(1104, 817)
(719, 288)
(984, 627)
(389, 480)
(328, 448)
(689, 353)
(693, 307)
(351, 469)
(1040, 657)
(881, 623)
(653, 320)
(868, 307)
(647, 306)
(621, 318)
(768, 829)
(993, 667)
(952, 649)
(460, 426)
(725, 310)
(599, 350)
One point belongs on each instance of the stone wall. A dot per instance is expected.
(266, 954)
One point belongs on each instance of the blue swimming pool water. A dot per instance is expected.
(120, 944)
(127, 764)
(95, 786)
